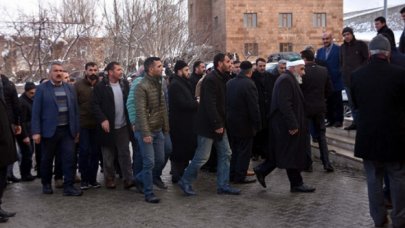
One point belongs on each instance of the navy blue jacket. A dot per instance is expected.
(333, 65)
(45, 110)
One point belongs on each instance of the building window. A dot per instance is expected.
(285, 20)
(319, 20)
(250, 20)
(251, 49)
(286, 47)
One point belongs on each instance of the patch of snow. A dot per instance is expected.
(367, 36)
(60, 40)
(5, 53)
(9, 38)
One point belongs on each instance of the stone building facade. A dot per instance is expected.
(256, 28)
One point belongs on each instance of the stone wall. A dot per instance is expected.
(230, 35)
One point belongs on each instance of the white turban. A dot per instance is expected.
(295, 63)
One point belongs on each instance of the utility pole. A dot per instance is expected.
(385, 9)
(41, 23)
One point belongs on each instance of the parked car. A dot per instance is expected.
(275, 57)
(271, 66)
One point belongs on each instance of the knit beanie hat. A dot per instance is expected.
(29, 86)
(379, 43)
(180, 64)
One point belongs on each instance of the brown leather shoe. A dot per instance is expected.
(110, 183)
(128, 184)
(77, 179)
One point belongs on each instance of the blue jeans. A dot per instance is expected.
(136, 158)
(89, 155)
(396, 173)
(61, 143)
(354, 110)
(157, 170)
(152, 155)
(202, 155)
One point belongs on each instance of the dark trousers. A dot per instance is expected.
(89, 155)
(294, 175)
(61, 143)
(178, 168)
(26, 157)
(396, 174)
(260, 143)
(38, 156)
(57, 169)
(317, 123)
(335, 107)
(241, 153)
(3, 181)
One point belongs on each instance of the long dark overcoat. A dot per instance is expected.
(242, 107)
(211, 111)
(183, 108)
(8, 154)
(379, 94)
(287, 113)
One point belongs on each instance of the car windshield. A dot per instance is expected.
(291, 55)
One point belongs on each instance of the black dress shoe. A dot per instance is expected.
(351, 127)
(187, 189)
(152, 199)
(159, 183)
(246, 180)
(13, 179)
(72, 191)
(303, 188)
(260, 177)
(329, 124)
(338, 124)
(328, 168)
(6, 214)
(27, 178)
(47, 189)
(3, 219)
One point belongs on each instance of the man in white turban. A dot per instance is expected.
(289, 137)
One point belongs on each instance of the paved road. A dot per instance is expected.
(340, 201)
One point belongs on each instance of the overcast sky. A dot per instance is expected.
(29, 6)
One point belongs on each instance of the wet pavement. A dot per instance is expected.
(339, 201)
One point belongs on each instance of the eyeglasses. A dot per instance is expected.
(325, 38)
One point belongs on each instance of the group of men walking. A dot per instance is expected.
(231, 112)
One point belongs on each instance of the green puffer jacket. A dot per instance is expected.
(150, 107)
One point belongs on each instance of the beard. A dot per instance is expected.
(298, 77)
(92, 77)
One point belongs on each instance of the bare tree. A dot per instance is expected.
(51, 34)
(138, 29)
